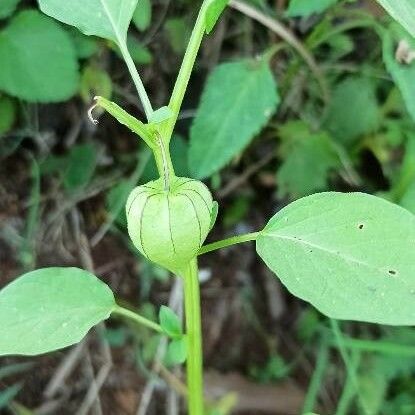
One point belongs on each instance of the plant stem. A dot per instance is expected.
(194, 338)
(186, 70)
(137, 318)
(148, 109)
(229, 242)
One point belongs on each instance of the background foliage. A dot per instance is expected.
(288, 98)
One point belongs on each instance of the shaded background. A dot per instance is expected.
(343, 121)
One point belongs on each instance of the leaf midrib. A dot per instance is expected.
(117, 33)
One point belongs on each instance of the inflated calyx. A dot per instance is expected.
(169, 226)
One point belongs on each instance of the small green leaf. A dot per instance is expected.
(238, 100)
(350, 255)
(51, 308)
(38, 61)
(95, 81)
(140, 54)
(305, 8)
(178, 33)
(403, 11)
(307, 160)
(170, 322)
(213, 12)
(108, 19)
(85, 46)
(403, 74)
(176, 352)
(353, 110)
(160, 115)
(7, 8)
(82, 162)
(7, 114)
(142, 15)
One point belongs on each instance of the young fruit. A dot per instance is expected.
(169, 226)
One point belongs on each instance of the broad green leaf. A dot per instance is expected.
(51, 308)
(402, 73)
(82, 162)
(176, 352)
(308, 159)
(7, 114)
(7, 7)
(353, 110)
(403, 11)
(349, 255)
(304, 8)
(213, 12)
(236, 104)
(38, 61)
(108, 19)
(142, 15)
(169, 322)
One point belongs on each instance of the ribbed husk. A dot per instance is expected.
(169, 227)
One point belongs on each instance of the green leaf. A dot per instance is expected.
(176, 352)
(408, 199)
(95, 81)
(7, 7)
(38, 61)
(85, 46)
(108, 19)
(353, 110)
(142, 15)
(81, 166)
(51, 308)
(170, 322)
(403, 11)
(140, 54)
(402, 74)
(213, 12)
(7, 114)
(305, 8)
(307, 160)
(238, 100)
(350, 255)
(178, 33)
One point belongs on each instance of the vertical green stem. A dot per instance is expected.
(186, 69)
(194, 339)
(142, 93)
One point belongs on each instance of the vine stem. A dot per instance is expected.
(228, 242)
(131, 315)
(194, 339)
(186, 69)
(142, 93)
